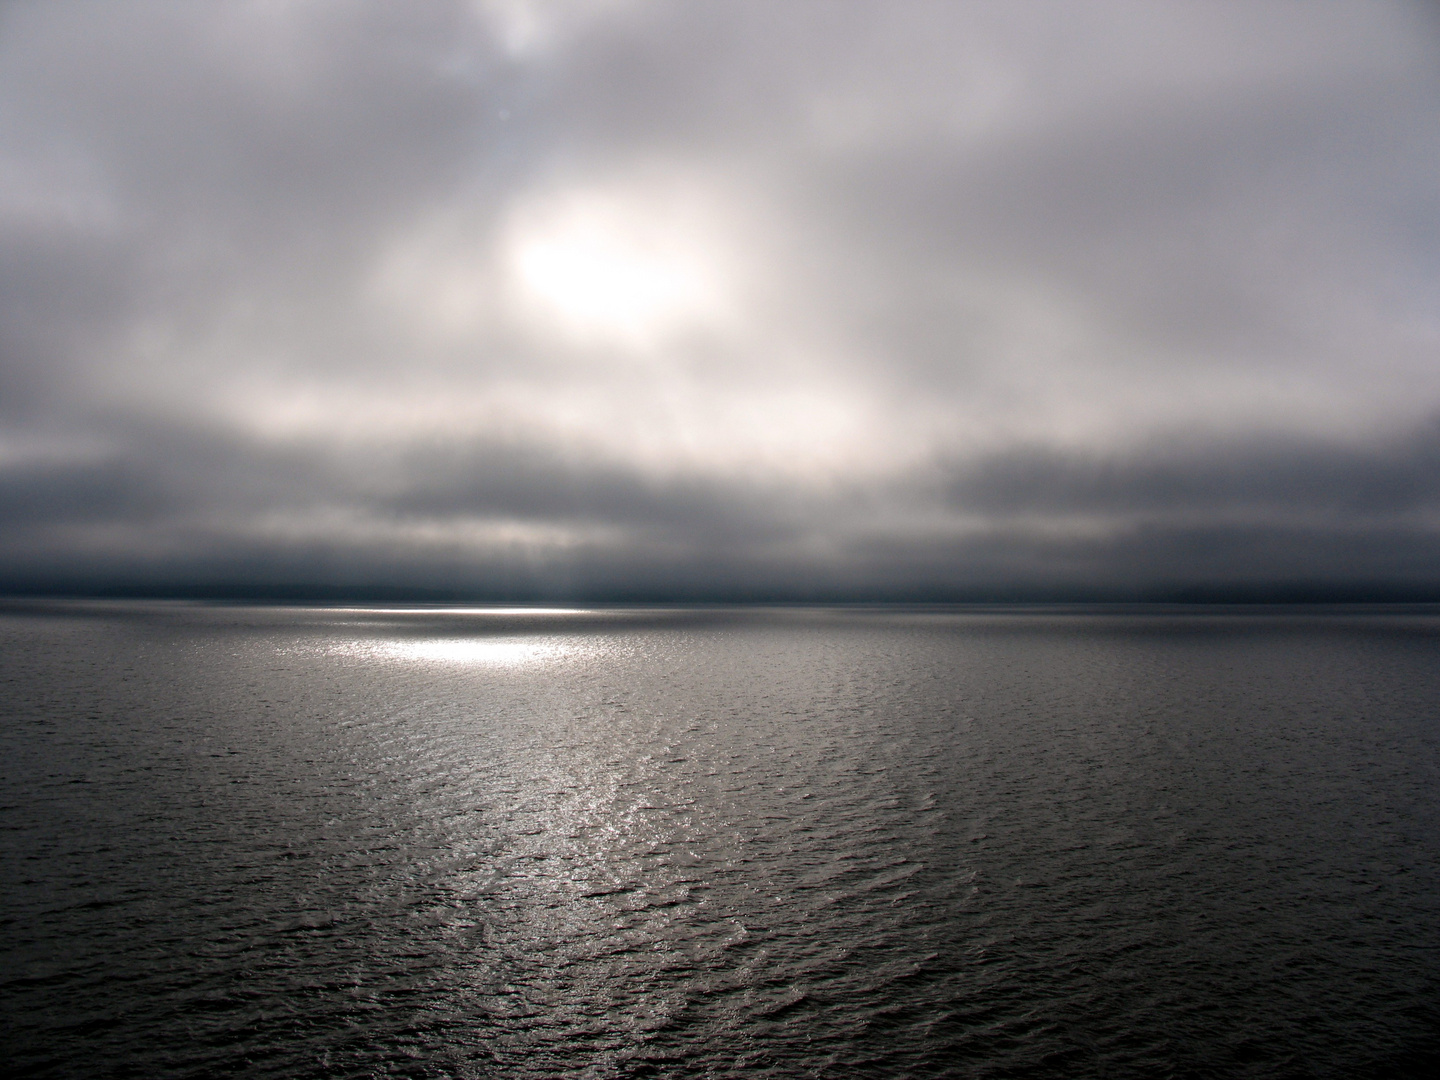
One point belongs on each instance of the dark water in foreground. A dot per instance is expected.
(1070, 843)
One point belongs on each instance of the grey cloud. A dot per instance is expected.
(63, 493)
(176, 476)
(1197, 224)
(1317, 517)
(1276, 479)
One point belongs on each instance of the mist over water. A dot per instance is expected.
(706, 842)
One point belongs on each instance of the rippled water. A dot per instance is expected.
(346, 842)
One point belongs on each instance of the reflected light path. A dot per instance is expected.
(501, 652)
(448, 610)
(483, 651)
(512, 637)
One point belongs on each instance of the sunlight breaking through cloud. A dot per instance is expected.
(615, 269)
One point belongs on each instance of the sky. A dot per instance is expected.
(614, 299)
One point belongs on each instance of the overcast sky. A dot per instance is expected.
(609, 298)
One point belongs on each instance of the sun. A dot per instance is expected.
(602, 268)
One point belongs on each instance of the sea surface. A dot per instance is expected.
(789, 842)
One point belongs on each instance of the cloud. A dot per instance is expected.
(843, 299)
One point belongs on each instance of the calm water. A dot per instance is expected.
(361, 842)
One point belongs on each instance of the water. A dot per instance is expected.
(355, 843)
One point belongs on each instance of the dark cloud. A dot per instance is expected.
(638, 299)
(1270, 479)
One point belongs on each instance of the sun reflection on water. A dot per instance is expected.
(485, 651)
(448, 609)
(478, 651)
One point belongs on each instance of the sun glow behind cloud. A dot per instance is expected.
(624, 268)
